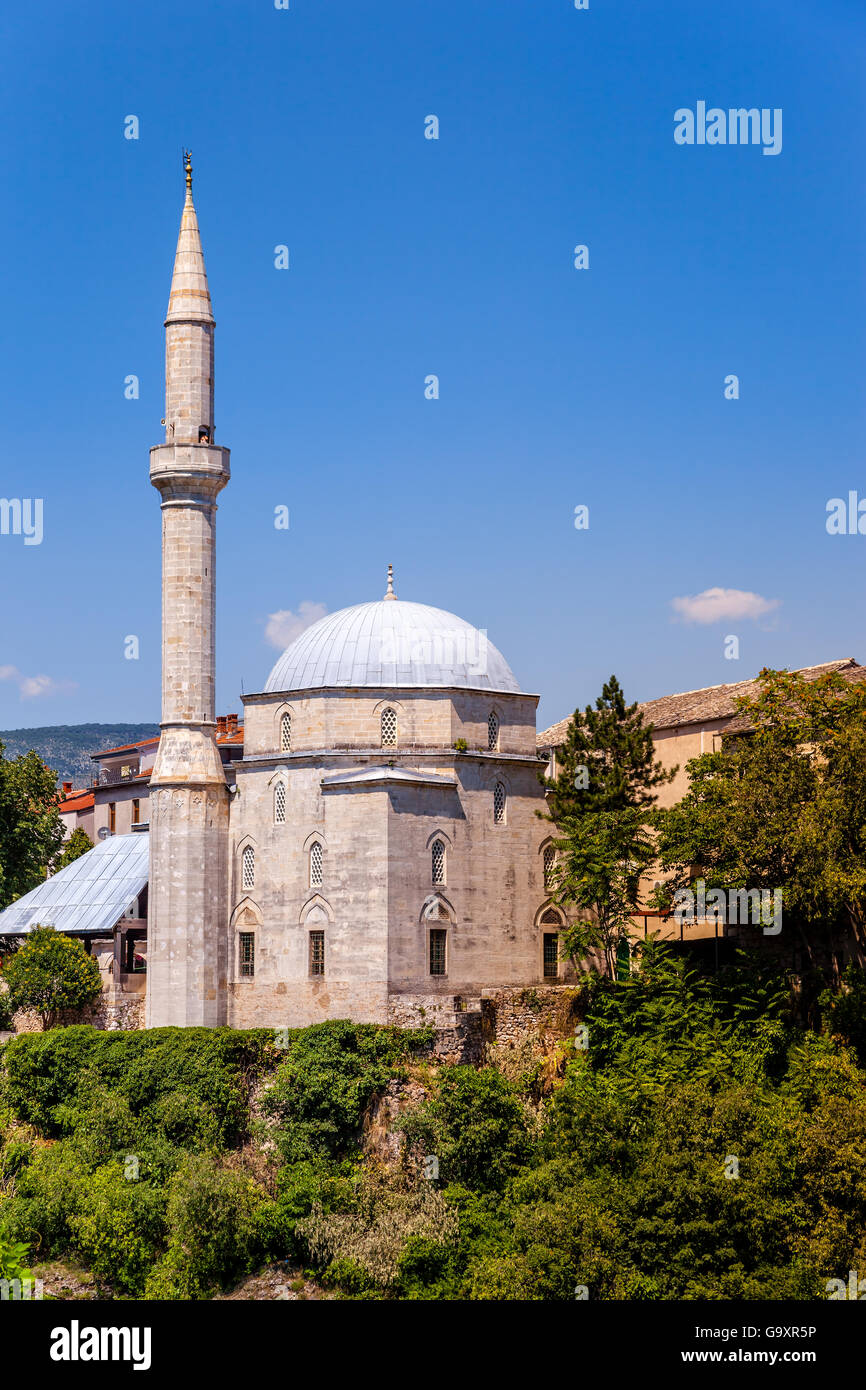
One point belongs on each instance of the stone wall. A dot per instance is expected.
(544, 1013)
(124, 1013)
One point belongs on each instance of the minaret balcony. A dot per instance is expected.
(181, 470)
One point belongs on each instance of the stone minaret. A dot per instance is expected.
(189, 802)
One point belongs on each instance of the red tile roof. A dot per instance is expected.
(126, 747)
(77, 801)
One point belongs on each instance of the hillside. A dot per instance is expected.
(348, 1159)
(67, 747)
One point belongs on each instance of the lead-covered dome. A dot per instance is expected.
(392, 643)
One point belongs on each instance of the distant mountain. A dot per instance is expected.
(67, 747)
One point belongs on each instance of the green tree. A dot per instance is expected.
(607, 762)
(31, 831)
(603, 856)
(51, 972)
(783, 804)
(79, 843)
(600, 802)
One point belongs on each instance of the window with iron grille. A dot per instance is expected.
(249, 867)
(549, 865)
(316, 865)
(247, 950)
(492, 731)
(280, 803)
(437, 856)
(437, 950)
(499, 804)
(317, 953)
(551, 955)
(286, 734)
(389, 728)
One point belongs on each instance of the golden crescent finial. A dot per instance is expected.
(187, 164)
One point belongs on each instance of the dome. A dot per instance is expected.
(392, 644)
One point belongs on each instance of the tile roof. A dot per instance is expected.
(126, 747)
(703, 706)
(76, 801)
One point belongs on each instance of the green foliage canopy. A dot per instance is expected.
(51, 972)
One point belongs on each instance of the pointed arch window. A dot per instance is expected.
(317, 864)
(499, 804)
(286, 733)
(492, 731)
(549, 866)
(248, 874)
(437, 863)
(389, 728)
(280, 803)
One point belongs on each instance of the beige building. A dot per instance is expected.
(685, 726)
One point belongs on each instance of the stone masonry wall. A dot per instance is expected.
(545, 1013)
(124, 1014)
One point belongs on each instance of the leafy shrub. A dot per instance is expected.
(844, 1011)
(190, 1084)
(118, 1227)
(51, 972)
(214, 1231)
(363, 1247)
(475, 1125)
(330, 1074)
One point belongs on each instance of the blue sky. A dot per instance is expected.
(408, 257)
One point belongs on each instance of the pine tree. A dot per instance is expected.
(607, 762)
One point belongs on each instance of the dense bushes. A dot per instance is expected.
(330, 1073)
(189, 1084)
(131, 1151)
(704, 1145)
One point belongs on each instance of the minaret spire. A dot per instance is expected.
(189, 322)
(188, 794)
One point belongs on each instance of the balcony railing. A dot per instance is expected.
(112, 776)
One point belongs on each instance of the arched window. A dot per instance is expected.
(286, 733)
(280, 803)
(389, 728)
(249, 867)
(550, 918)
(316, 864)
(499, 804)
(549, 865)
(492, 731)
(437, 861)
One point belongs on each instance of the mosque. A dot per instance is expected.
(375, 853)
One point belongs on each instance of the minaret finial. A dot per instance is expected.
(187, 164)
(390, 593)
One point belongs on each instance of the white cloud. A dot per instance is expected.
(283, 627)
(718, 605)
(31, 687)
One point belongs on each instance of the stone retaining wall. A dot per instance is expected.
(125, 1013)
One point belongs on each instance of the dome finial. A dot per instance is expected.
(187, 164)
(390, 593)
